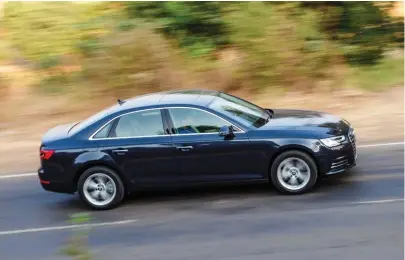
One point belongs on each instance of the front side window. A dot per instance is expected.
(142, 123)
(195, 121)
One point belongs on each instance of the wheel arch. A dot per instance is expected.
(89, 165)
(293, 147)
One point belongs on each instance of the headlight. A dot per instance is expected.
(334, 141)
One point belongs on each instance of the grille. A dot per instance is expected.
(352, 138)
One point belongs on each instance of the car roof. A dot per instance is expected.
(197, 97)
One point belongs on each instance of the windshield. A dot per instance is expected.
(240, 110)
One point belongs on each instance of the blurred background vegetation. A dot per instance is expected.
(63, 61)
(137, 47)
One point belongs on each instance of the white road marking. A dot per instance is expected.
(221, 201)
(382, 144)
(44, 229)
(31, 174)
(377, 201)
(18, 175)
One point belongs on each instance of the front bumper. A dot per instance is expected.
(339, 159)
(341, 166)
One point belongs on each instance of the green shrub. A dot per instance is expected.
(133, 45)
(364, 29)
(197, 26)
(283, 46)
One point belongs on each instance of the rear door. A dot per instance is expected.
(202, 155)
(140, 146)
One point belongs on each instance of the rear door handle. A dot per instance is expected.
(120, 151)
(184, 148)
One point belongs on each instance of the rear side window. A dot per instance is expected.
(103, 133)
(142, 123)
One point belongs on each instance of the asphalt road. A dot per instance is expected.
(359, 215)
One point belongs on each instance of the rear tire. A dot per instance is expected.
(293, 172)
(100, 188)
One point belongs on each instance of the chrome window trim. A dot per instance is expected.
(164, 135)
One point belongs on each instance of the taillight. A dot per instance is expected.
(46, 154)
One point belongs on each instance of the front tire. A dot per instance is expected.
(100, 188)
(293, 172)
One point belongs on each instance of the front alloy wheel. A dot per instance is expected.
(294, 172)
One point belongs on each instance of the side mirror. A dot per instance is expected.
(226, 131)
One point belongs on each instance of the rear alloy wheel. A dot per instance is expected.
(100, 188)
(294, 172)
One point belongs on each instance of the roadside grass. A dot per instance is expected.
(77, 246)
(4, 52)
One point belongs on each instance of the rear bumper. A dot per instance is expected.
(54, 185)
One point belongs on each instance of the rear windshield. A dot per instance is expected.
(89, 121)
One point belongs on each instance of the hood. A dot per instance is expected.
(304, 119)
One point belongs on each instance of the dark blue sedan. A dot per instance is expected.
(189, 137)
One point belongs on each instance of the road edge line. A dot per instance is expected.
(380, 144)
(54, 228)
(376, 201)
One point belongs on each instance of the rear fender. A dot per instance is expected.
(96, 158)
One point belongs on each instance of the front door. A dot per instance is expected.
(202, 155)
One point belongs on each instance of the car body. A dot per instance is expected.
(193, 136)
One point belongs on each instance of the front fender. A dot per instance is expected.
(311, 146)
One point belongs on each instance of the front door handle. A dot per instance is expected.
(184, 148)
(120, 151)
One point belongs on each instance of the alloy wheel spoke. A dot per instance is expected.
(304, 174)
(293, 181)
(294, 163)
(285, 174)
(92, 185)
(95, 194)
(301, 178)
(97, 179)
(104, 195)
(301, 167)
(289, 165)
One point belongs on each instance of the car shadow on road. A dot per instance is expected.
(217, 192)
(227, 191)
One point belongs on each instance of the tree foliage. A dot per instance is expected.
(134, 44)
(363, 29)
(198, 26)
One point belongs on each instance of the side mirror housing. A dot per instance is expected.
(226, 131)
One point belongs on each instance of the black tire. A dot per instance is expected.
(296, 154)
(120, 191)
